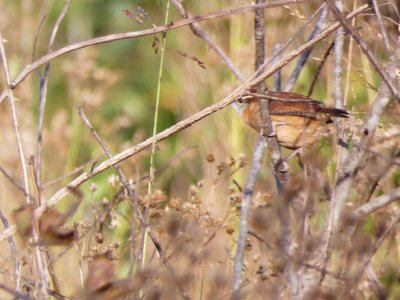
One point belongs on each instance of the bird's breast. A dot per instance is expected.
(294, 132)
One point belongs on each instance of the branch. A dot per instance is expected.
(258, 155)
(13, 248)
(383, 29)
(304, 56)
(378, 203)
(43, 94)
(12, 180)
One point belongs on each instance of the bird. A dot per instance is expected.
(297, 120)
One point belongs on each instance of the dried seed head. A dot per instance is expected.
(210, 158)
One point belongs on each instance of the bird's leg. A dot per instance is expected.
(300, 159)
(297, 152)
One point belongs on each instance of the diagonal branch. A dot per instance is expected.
(303, 58)
(378, 203)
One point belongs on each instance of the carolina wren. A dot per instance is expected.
(297, 120)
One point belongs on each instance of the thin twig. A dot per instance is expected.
(259, 37)
(12, 180)
(317, 73)
(258, 155)
(378, 203)
(143, 246)
(43, 274)
(349, 61)
(338, 63)
(368, 258)
(297, 34)
(43, 94)
(304, 56)
(278, 75)
(131, 194)
(13, 248)
(233, 96)
(133, 227)
(383, 29)
(197, 30)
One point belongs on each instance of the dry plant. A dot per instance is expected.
(105, 195)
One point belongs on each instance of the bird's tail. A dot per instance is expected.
(334, 112)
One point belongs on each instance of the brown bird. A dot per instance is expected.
(297, 120)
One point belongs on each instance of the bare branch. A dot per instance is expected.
(383, 29)
(12, 180)
(258, 155)
(43, 94)
(13, 248)
(304, 56)
(378, 203)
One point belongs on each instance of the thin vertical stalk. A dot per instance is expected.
(337, 62)
(382, 26)
(17, 263)
(43, 94)
(349, 60)
(258, 155)
(43, 274)
(155, 125)
(278, 75)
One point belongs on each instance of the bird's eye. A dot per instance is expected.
(241, 100)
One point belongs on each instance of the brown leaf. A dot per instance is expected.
(52, 230)
(52, 225)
